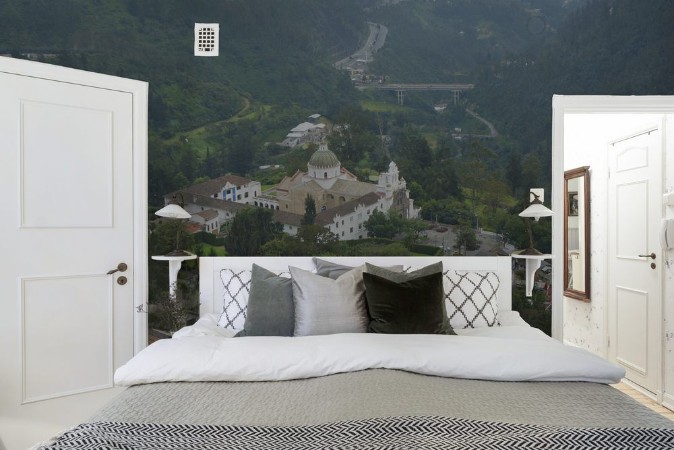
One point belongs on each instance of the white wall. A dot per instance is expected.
(585, 144)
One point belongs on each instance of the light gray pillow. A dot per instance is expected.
(333, 270)
(270, 311)
(327, 306)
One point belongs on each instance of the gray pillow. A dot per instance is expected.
(327, 306)
(333, 270)
(271, 311)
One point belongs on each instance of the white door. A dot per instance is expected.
(68, 204)
(634, 290)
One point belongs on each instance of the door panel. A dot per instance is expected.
(61, 136)
(631, 220)
(634, 303)
(632, 319)
(68, 218)
(48, 308)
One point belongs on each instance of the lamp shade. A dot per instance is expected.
(173, 211)
(536, 210)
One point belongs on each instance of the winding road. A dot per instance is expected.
(492, 129)
(364, 55)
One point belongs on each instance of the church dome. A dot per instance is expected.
(323, 158)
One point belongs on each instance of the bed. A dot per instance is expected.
(365, 353)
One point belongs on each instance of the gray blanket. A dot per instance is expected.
(386, 433)
(379, 393)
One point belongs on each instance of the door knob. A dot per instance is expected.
(121, 267)
(652, 256)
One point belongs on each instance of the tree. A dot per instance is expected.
(317, 236)
(513, 172)
(310, 240)
(358, 137)
(309, 211)
(382, 225)
(413, 154)
(413, 229)
(532, 169)
(476, 170)
(250, 229)
(465, 238)
(442, 181)
(241, 153)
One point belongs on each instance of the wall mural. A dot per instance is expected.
(359, 127)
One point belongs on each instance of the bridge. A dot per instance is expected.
(400, 88)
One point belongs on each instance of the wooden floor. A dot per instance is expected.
(644, 400)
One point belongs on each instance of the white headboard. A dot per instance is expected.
(212, 290)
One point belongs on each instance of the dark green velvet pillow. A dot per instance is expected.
(270, 311)
(406, 303)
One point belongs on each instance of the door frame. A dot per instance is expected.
(139, 93)
(578, 104)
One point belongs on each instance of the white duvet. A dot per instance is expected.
(507, 353)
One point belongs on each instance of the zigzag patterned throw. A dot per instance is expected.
(390, 433)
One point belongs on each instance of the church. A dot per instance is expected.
(343, 203)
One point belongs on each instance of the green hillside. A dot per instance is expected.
(275, 52)
(453, 41)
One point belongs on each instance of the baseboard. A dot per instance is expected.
(668, 401)
(642, 390)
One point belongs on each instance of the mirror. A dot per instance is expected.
(577, 233)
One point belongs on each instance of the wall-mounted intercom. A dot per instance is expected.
(667, 234)
(206, 39)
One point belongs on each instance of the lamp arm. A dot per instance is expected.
(530, 232)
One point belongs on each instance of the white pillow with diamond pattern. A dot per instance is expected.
(236, 288)
(470, 297)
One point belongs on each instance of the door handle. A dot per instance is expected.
(652, 256)
(121, 267)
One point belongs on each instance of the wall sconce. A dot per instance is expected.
(535, 210)
(174, 210)
(533, 257)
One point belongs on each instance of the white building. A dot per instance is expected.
(216, 201)
(227, 187)
(304, 133)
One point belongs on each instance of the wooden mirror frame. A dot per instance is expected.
(584, 183)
